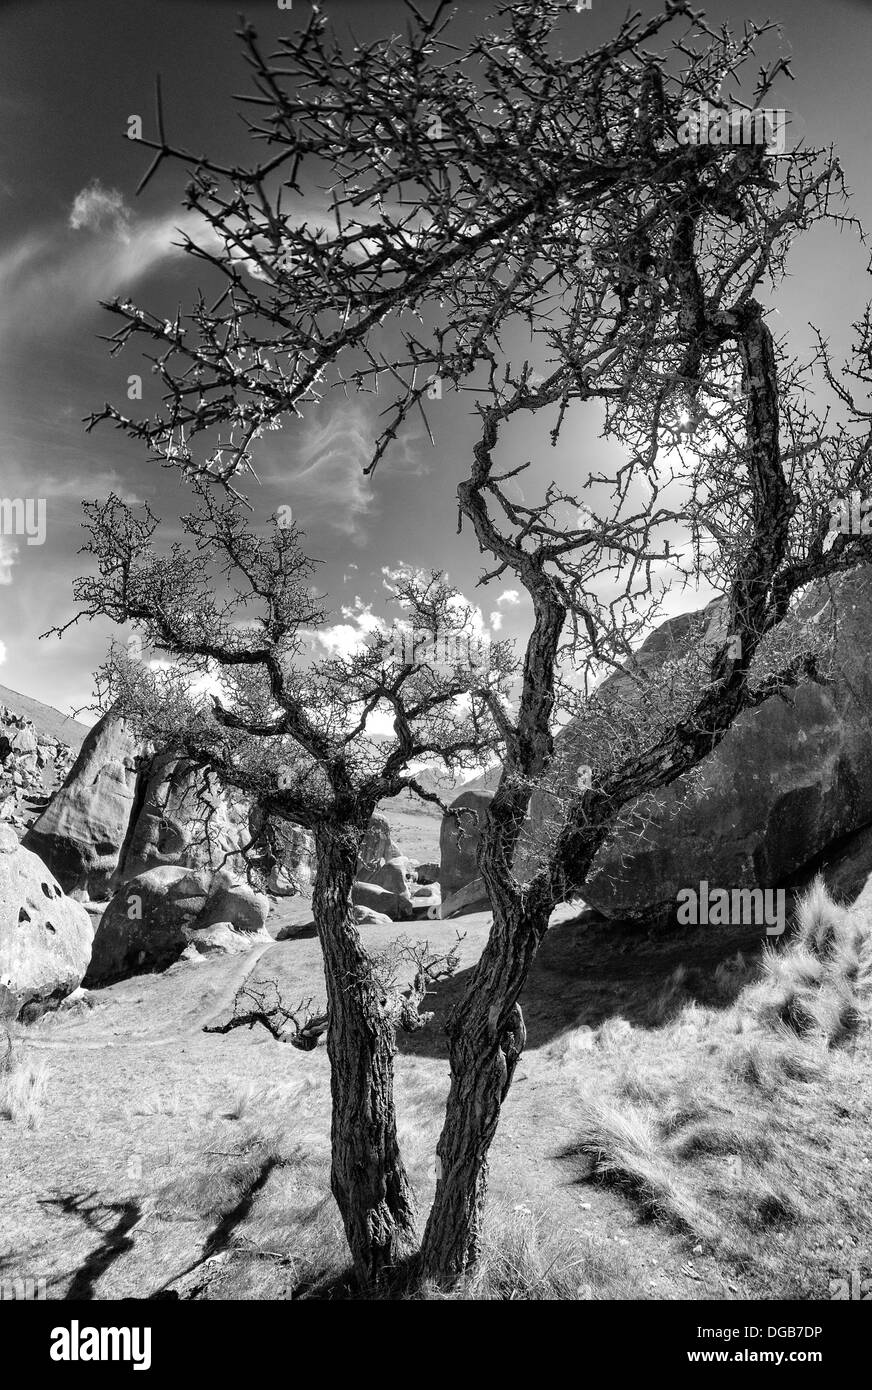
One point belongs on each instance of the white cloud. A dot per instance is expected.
(8, 557)
(57, 274)
(344, 639)
(96, 207)
(510, 597)
(496, 621)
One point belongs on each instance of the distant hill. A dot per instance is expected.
(48, 721)
(485, 781)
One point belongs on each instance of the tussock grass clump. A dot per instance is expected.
(821, 983)
(624, 1151)
(738, 1128)
(23, 1087)
(525, 1256)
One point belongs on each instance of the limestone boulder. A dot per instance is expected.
(80, 834)
(223, 939)
(368, 917)
(459, 839)
(236, 903)
(45, 938)
(398, 875)
(294, 868)
(381, 900)
(472, 897)
(155, 916)
(784, 788)
(181, 819)
(427, 900)
(378, 845)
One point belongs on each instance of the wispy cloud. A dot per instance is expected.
(325, 478)
(510, 597)
(54, 274)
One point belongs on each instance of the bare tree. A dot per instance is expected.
(289, 732)
(516, 184)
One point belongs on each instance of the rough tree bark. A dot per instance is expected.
(486, 1032)
(368, 1178)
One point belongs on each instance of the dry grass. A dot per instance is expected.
(23, 1087)
(744, 1126)
(527, 1257)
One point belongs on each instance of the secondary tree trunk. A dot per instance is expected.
(368, 1178)
(486, 1036)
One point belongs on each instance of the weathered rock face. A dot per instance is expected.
(785, 783)
(179, 819)
(427, 900)
(80, 835)
(155, 916)
(378, 845)
(368, 917)
(294, 869)
(472, 897)
(45, 938)
(458, 842)
(381, 900)
(223, 939)
(399, 877)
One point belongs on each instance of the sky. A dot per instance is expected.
(72, 232)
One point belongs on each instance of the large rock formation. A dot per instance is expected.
(382, 900)
(378, 846)
(472, 897)
(294, 855)
(786, 782)
(45, 938)
(180, 818)
(155, 916)
(80, 835)
(31, 766)
(399, 877)
(458, 842)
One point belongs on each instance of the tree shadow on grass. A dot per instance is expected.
(115, 1239)
(219, 1238)
(588, 970)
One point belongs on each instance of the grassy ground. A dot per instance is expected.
(690, 1120)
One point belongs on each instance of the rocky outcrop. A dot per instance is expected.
(45, 937)
(155, 916)
(472, 897)
(789, 780)
(398, 876)
(31, 766)
(458, 841)
(382, 900)
(292, 861)
(378, 846)
(80, 835)
(181, 818)
(427, 900)
(223, 939)
(368, 917)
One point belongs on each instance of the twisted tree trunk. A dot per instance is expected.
(486, 1037)
(368, 1178)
